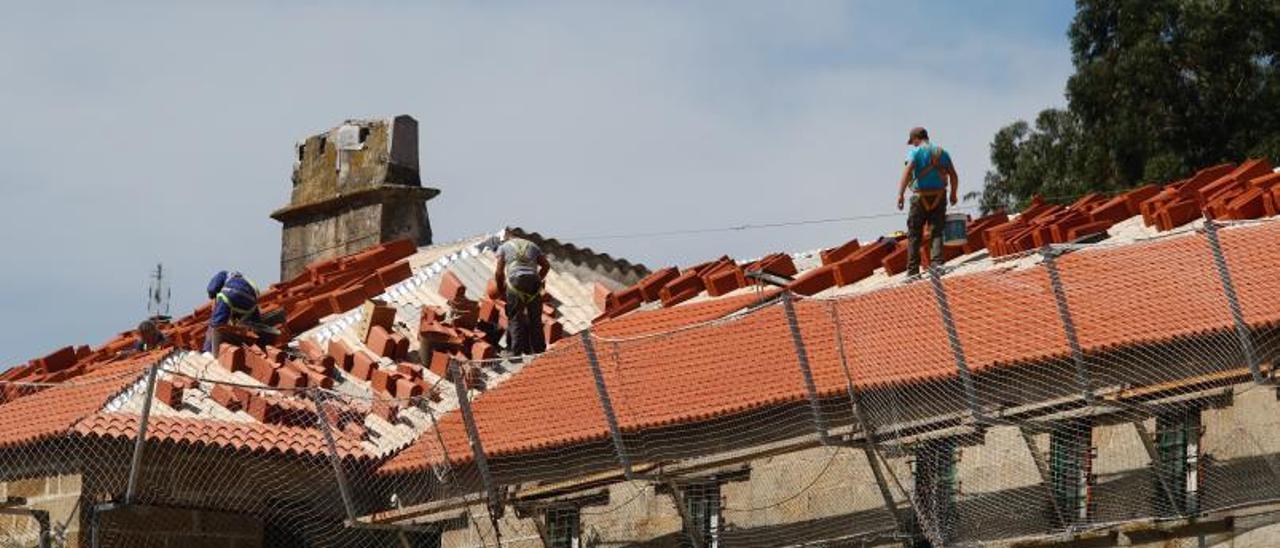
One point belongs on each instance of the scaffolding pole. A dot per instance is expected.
(802, 357)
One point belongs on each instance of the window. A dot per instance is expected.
(302, 152)
(564, 527)
(702, 505)
(1070, 467)
(935, 487)
(363, 135)
(323, 141)
(1178, 448)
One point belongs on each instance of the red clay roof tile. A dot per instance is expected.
(695, 372)
(54, 410)
(227, 434)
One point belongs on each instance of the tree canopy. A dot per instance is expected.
(1161, 87)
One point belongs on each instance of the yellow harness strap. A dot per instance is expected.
(237, 313)
(930, 198)
(524, 297)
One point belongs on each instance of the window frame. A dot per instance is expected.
(568, 513)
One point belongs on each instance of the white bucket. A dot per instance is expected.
(953, 232)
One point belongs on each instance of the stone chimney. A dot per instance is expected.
(354, 186)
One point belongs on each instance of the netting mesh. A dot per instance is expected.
(1060, 392)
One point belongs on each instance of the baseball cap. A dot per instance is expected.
(917, 133)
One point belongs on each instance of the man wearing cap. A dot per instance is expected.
(928, 168)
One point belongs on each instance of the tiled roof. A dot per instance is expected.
(249, 398)
(1140, 293)
(1226, 192)
(267, 438)
(55, 410)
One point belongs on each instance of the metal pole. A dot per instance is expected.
(868, 434)
(957, 349)
(136, 464)
(477, 447)
(1068, 324)
(1157, 466)
(606, 404)
(1045, 476)
(334, 459)
(444, 451)
(690, 529)
(1233, 301)
(802, 357)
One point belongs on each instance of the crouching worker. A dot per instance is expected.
(235, 302)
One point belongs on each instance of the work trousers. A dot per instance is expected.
(917, 217)
(524, 316)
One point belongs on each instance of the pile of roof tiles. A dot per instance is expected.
(472, 330)
(671, 286)
(324, 288)
(841, 265)
(1227, 191)
(384, 361)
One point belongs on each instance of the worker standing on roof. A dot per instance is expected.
(519, 274)
(235, 301)
(928, 169)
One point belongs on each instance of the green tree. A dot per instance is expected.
(1161, 87)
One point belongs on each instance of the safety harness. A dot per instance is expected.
(522, 258)
(930, 198)
(237, 314)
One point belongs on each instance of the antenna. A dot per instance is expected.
(158, 295)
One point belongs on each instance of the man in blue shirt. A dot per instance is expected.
(235, 301)
(928, 170)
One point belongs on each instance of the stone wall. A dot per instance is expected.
(828, 492)
(57, 495)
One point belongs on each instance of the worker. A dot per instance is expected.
(519, 275)
(149, 338)
(235, 301)
(928, 170)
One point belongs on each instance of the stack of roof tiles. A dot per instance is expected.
(471, 330)
(842, 265)
(325, 288)
(1227, 191)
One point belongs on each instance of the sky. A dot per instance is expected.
(143, 133)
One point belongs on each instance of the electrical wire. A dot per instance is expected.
(749, 226)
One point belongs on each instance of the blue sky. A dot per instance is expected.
(139, 133)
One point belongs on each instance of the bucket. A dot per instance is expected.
(953, 232)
